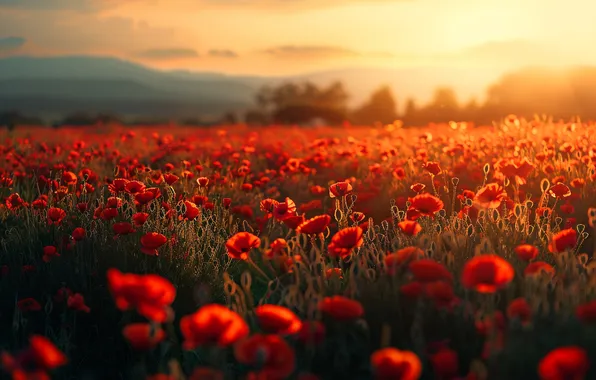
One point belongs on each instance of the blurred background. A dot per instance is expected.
(307, 62)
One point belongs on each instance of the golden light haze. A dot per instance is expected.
(279, 37)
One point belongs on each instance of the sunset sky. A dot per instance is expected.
(276, 37)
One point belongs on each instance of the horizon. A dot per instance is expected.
(235, 38)
(359, 82)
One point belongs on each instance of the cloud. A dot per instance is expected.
(287, 4)
(58, 33)
(222, 53)
(169, 53)
(513, 52)
(321, 52)
(97, 5)
(11, 43)
(310, 51)
(78, 5)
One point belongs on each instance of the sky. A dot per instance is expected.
(281, 37)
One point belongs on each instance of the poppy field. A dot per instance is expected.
(444, 252)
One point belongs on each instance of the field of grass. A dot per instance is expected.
(445, 252)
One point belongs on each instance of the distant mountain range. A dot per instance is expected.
(51, 86)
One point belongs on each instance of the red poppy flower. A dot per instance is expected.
(357, 217)
(409, 227)
(562, 363)
(143, 336)
(114, 202)
(46, 355)
(311, 332)
(56, 215)
(487, 273)
(427, 270)
(425, 204)
(267, 205)
(432, 167)
(275, 319)
(334, 272)
(520, 309)
(526, 252)
(515, 169)
(445, 363)
(107, 213)
(240, 244)
(563, 240)
(441, 293)
(62, 294)
(344, 241)
(340, 189)
(28, 304)
(144, 197)
(49, 252)
(192, 211)
(578, 183)
(314, 226)
(14, 201)
(538, 267)
(69, 178)
(490, 196)
(170, 178)
(273, 355)
(341, 308)
(140, 218)
(317, 190)
(118, 185)
(417, 187)
(586, 312)
(391, 363)
(202, 181)
(283, 210)
(212, 324)
(122, 228)
(134, 187)
(293, 222)
(399, 173)
(567, 208)
(485, 323)
(412, 290)
(402, 257)
(77, 302)
(151, 295)
(41, 356)
(559, 191)
(151, 241)
(78, 234)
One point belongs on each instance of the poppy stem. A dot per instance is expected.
(259, 270)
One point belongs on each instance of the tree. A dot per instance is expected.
(263, 98)
(335, 96)
(411, 113)
(229, 118)
(293, 103)
(255, 117)
(471, 110)
(443, 107)
(445, 98)
(381, 107)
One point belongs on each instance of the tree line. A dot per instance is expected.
(558, 93)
